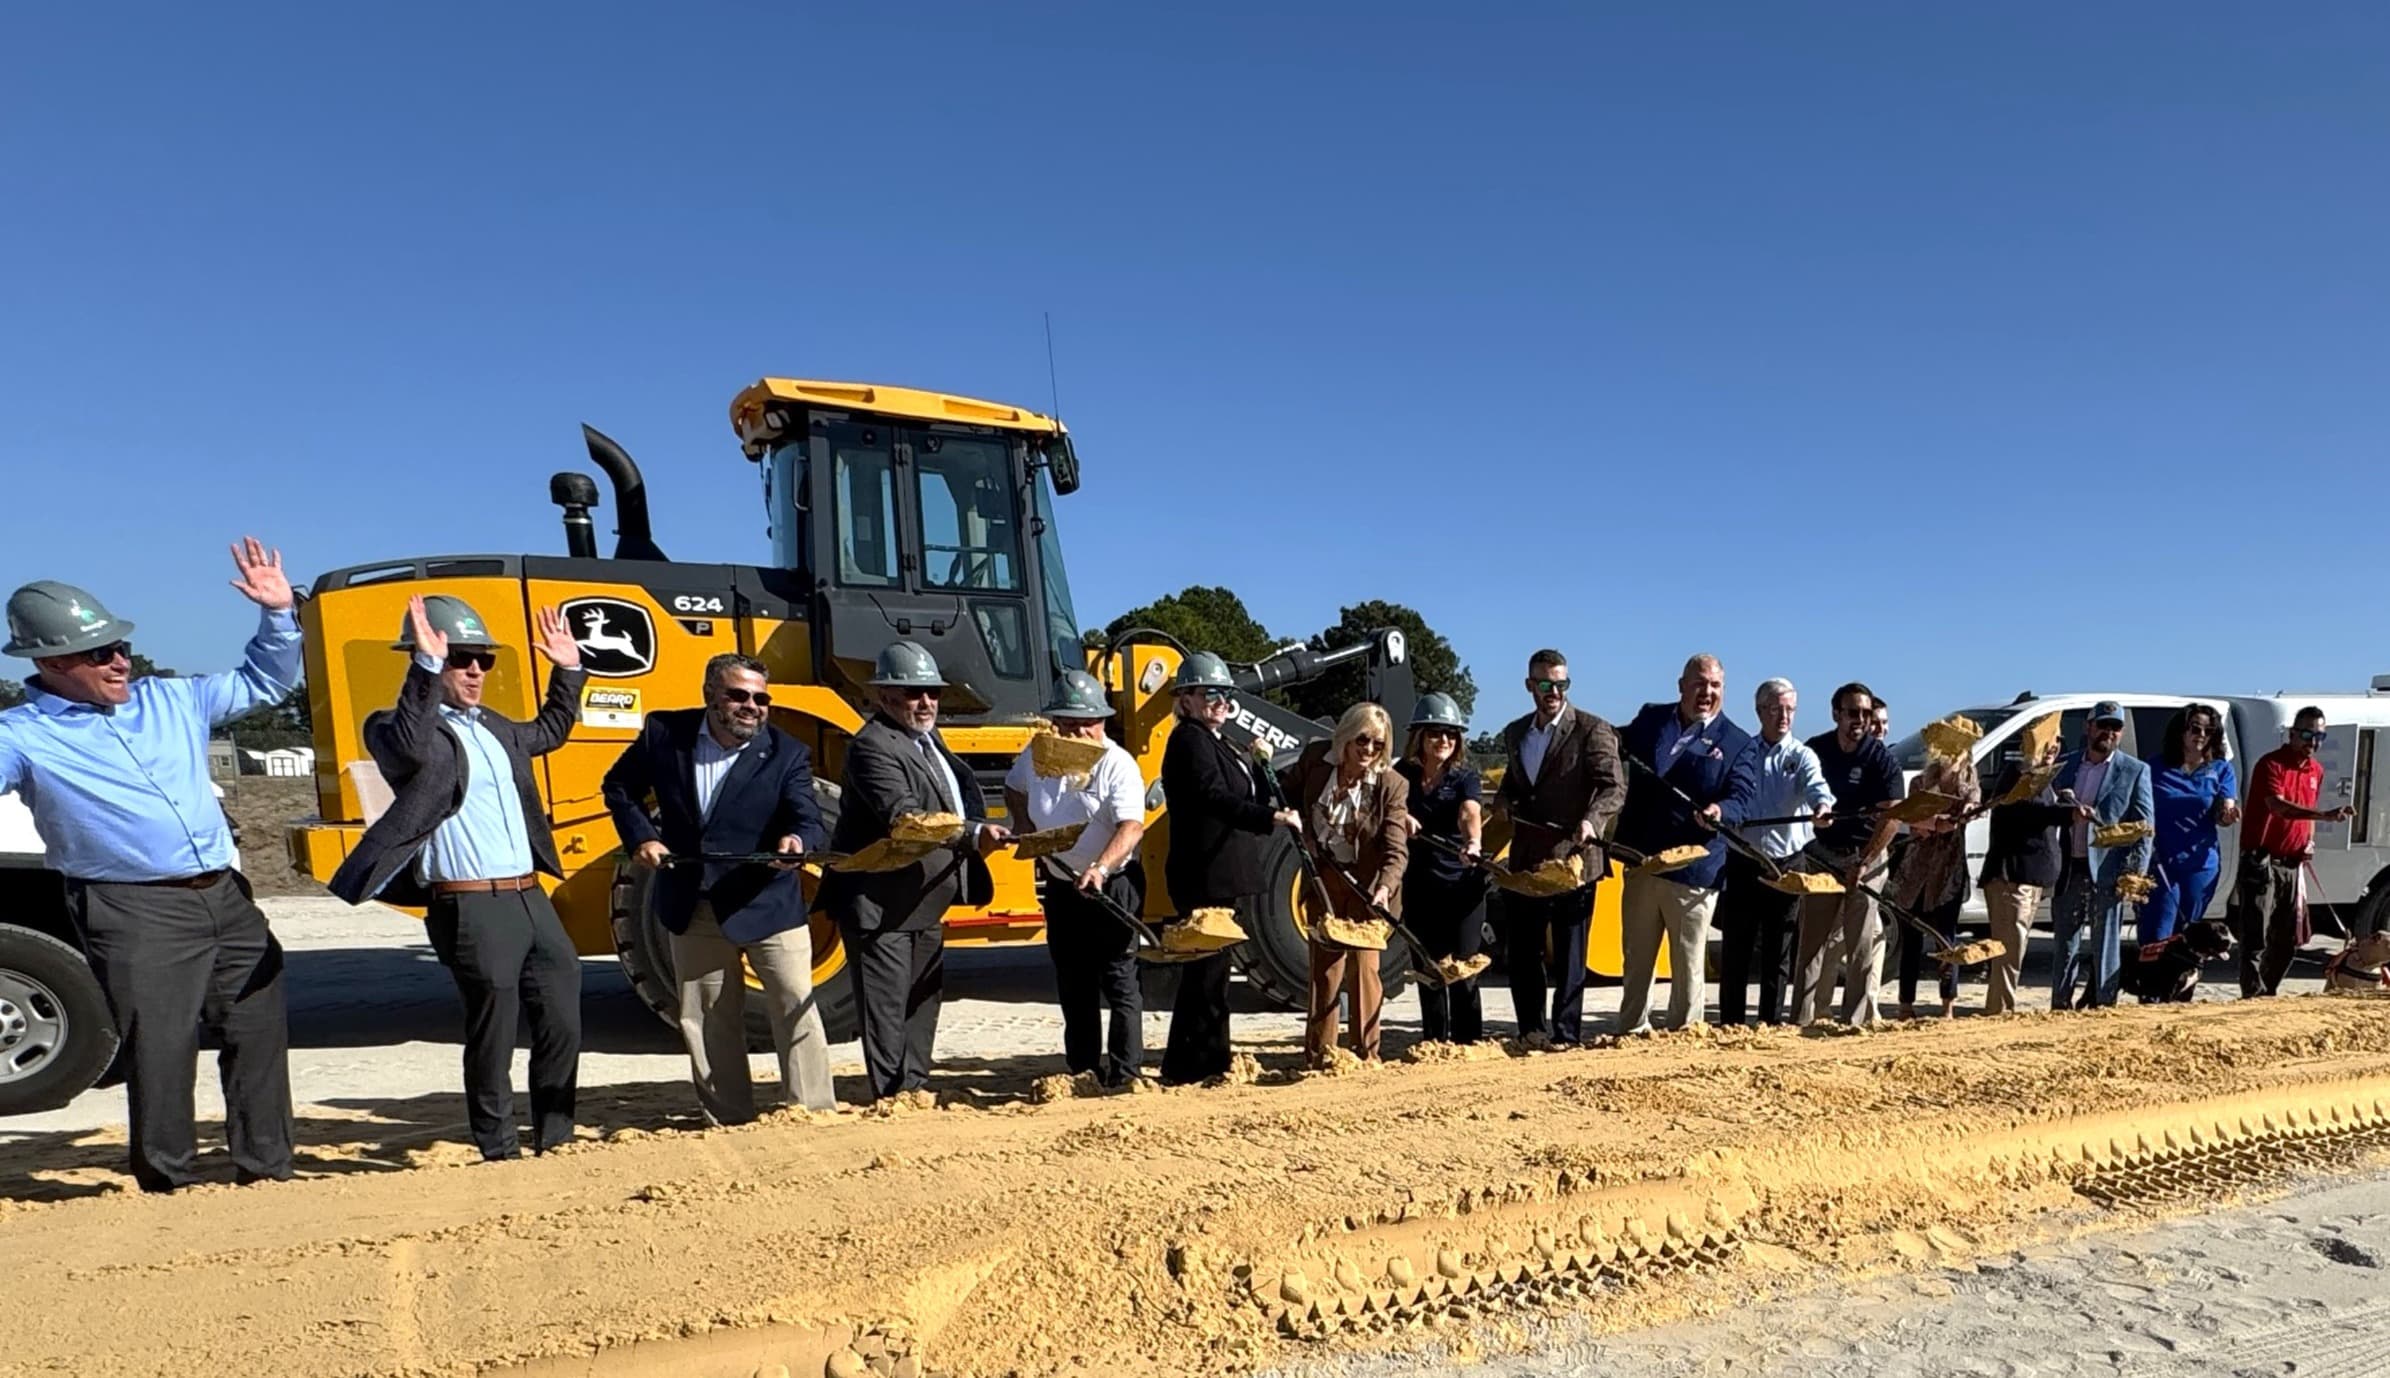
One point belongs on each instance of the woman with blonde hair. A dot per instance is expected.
(1356, 824)
(1930, 877)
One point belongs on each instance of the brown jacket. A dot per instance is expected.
(1582, 780)
(1385, 841)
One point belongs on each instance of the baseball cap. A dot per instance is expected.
(2107, 710)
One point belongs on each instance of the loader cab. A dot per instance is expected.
(923, 517)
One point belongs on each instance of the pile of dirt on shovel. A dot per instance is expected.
(1213, 1230)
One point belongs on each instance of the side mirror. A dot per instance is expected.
(1063, 460)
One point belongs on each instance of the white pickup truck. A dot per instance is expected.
(2352, 859)
(56, 1036)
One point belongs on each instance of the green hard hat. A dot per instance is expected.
(47, 618)
(1202, 670)
(1439, 710)
(451, 617)
(1078, 695)
(906, 665)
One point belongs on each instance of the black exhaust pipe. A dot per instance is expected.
(632, 538)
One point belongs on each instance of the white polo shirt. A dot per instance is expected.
(1113, 794)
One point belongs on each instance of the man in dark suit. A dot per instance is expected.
(1693, 746)
(467, 836)
(1562, 784)
(893, 922)
(724, 780)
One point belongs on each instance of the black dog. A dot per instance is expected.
(2167, 971)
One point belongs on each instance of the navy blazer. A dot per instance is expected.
(766, 795)
(1654, 819)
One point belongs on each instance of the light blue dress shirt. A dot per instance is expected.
(710, 766)
(1673, 736)
(484, 839)
(122, 794)
(1790, 779)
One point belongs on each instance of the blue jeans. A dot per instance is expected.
(2184, 886)
(2081, 904)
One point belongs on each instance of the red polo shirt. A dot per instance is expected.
(2279, 772)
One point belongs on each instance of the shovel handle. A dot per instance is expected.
(1146, 936)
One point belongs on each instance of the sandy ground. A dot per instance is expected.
(1020, 1228)
(2293, 1286)
(374, 1028)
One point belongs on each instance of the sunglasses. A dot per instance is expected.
(1373, 743)
(106, 655)
(758, 697)
(479, 660)
(1214, 695)
(1440, 734)
(915, 692)
(1548, 686)
(2308, 734)
(2197, 730)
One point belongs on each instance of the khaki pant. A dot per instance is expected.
(2011, 907)
(1345, 970)
(1652, 908)
(1840, 934)
(713, 1017)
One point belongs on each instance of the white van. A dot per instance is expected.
(2352, 859)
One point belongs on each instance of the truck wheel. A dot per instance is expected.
(645, 947)
(1275, 958)
(56, 1035)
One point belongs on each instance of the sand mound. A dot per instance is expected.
(1210, 1231)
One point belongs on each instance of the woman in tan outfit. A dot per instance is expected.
(1356, 820)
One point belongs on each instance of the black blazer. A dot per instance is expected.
(886, 777)
(1217, 819)
(2024, 845)
(424, 765)
(766, 795)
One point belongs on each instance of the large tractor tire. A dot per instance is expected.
(1275, 959)
(645, 947)
(56, 1035)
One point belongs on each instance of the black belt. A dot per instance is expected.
(2293, 862)
(198, 882)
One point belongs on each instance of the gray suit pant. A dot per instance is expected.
(172, 961)
(900, 977)
(509, 955)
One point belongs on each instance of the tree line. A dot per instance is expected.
(1211, 618)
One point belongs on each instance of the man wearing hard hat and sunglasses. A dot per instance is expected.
(467, 837)
(115, 772)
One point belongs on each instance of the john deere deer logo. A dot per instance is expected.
(617, 639)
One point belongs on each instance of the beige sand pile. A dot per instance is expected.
(1206, 1231)
(1672, 859)
(2122, 834)
(1555, 877)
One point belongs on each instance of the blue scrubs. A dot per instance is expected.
(2184, 859)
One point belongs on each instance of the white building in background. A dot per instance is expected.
(282, 762)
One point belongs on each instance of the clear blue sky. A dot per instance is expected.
(1961, 349)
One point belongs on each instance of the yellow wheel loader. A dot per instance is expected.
(893, 513)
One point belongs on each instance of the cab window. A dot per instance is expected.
(970, 537)
(864, 472)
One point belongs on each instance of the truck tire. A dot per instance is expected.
(56, 1035)
(645, 947)
(1275, 958)
(2371, 913)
